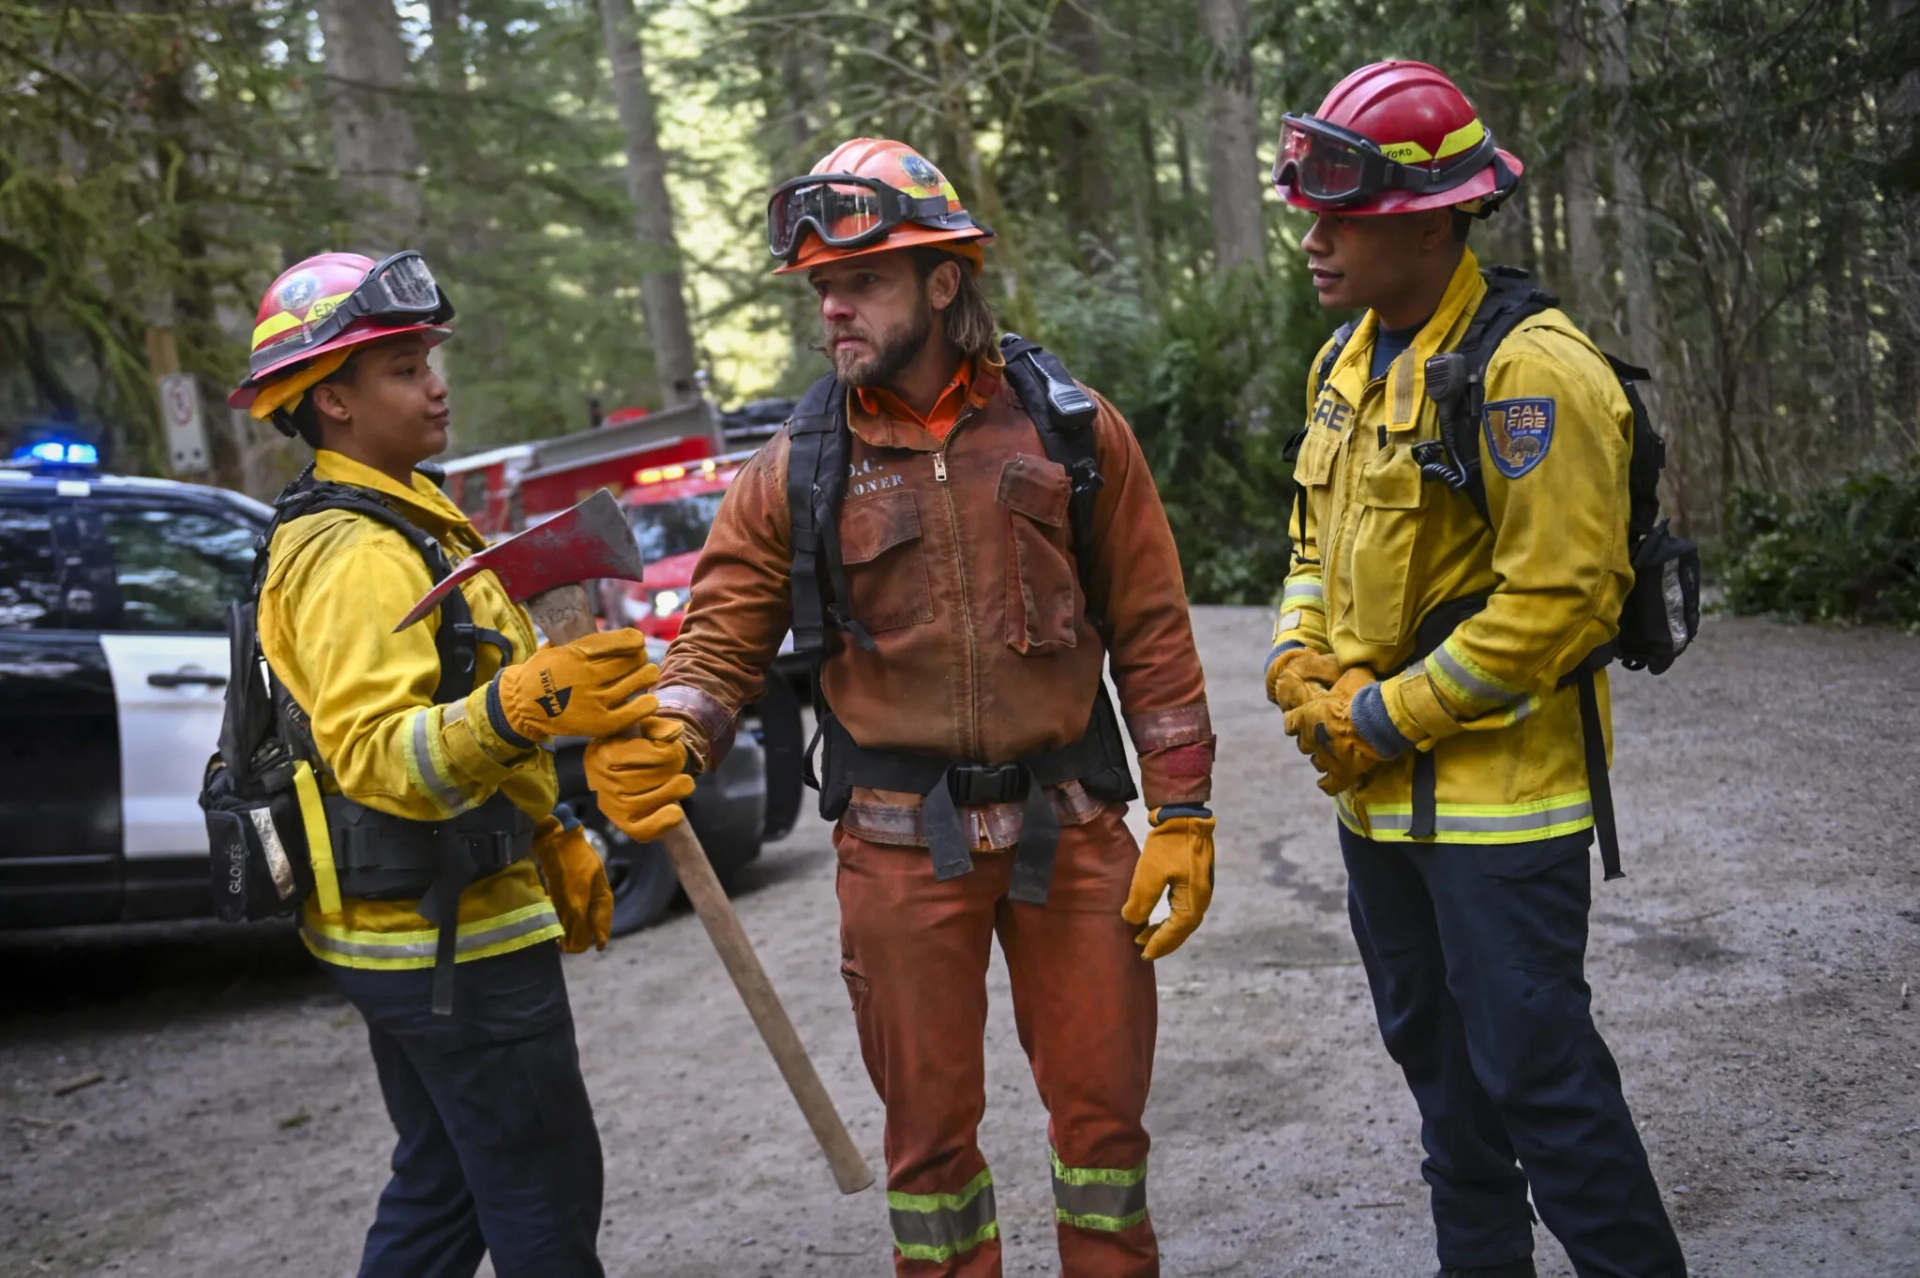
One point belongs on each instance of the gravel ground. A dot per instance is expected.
(1752, 975)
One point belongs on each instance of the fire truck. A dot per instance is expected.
(670, 469)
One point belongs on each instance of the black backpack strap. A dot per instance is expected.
(816, 479)
(1064, 416)
(1456, 380)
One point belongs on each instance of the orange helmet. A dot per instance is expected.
(336, 300)
(1393, 137)
(868, 196)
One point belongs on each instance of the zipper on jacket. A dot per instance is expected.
(968, 736)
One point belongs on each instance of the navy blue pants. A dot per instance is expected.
(497, 1150)
(1476, 956)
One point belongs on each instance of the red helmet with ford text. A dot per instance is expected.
(1393, 137)
(868, 196)
(336, 300)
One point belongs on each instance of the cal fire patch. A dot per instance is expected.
(1519, 432)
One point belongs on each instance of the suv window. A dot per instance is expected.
(177, 568)
(29, 570)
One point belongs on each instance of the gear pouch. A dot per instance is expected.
(258, 862)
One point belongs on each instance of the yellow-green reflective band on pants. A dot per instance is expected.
(1102, 1198)
(939, 1227)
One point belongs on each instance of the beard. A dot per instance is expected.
(892, 353)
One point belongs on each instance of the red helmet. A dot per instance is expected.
(336, 300)
(1393, 137)
(890, 197)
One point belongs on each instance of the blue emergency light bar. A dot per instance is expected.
(54, 452)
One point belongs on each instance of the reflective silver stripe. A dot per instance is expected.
(938, 1227)
(449, 796)
(1296, 591)
(1453, 671)
(1445, 822)
(1099, 1198)
(466, 944)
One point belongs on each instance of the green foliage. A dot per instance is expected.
(1849, 552)
(1213, 385)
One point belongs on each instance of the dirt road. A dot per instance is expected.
(1752, 974)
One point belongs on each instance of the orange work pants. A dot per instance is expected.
(914, 954)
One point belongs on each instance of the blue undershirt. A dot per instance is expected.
(1388, 343)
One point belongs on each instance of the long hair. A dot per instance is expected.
(971, 324)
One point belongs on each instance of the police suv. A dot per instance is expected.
(113, 670)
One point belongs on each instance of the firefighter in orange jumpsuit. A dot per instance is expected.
(967, 592)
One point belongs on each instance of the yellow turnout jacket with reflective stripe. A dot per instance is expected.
(336, 584)
(1381, 546)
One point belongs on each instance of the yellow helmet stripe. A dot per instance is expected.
(274, 325)
(1464, 138)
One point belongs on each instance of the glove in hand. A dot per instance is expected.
(1323, 729)
(577, 881)
(1177, 859)
(1298, 675)
(588, 688)
(639, 780)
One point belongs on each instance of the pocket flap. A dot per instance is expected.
(1036, 488)
(1392, 481)
(872, 526)
(1315, 462)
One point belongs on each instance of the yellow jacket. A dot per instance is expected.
(1382, 546)
(336, 584)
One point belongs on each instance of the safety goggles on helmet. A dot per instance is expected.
(1331, 165)
(848, 211)
(398, 290)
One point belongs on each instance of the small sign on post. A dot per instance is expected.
(186, 427)
(180, 411)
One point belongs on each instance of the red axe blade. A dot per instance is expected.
(591, 540)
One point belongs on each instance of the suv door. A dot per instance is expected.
(176, 565)
(59, 742)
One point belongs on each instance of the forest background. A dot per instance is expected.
(1725, 192)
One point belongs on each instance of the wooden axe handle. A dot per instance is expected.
(565, 614)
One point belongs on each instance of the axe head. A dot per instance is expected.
(591, 540)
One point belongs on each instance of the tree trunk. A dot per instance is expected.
(1584, 286)
(957, 112)
(1085, 189)
(1629, 199)
(663, 294)
(374, 147)
(1233, 143)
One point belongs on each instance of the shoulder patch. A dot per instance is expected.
(1519, 432)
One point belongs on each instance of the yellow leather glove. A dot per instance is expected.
(1298, 675)
(577, 881)
(588, 688)
(1324, 730)
(638, 780)
(1177, 859)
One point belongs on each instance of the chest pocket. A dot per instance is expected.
(1043, 592)
(1390, 494)
(880, 543)
(1314, 466)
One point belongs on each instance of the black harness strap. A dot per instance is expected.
(951, 784)
(816, 478)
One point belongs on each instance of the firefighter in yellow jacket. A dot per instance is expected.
(438, 800)
(1423, 654)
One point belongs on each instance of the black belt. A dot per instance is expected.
(1439, 623)
(1097, 760)
(381, 857)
